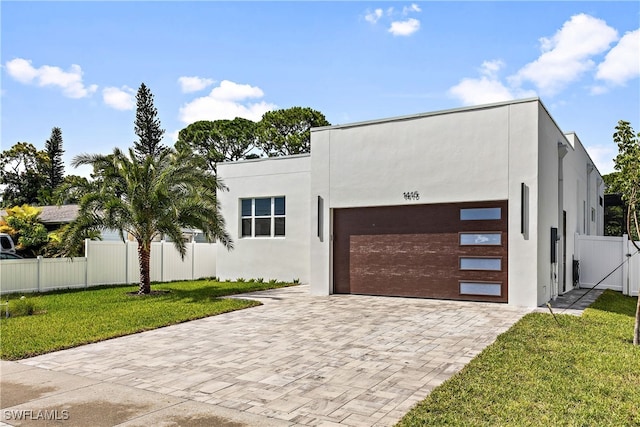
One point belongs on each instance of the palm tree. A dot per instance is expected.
(147, 197)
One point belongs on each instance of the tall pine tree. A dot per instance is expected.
(147, 126)
(54, 168)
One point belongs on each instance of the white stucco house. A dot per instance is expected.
(478, 203)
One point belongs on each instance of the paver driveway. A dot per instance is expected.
(343, 359)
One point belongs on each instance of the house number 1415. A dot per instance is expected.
(411, 195)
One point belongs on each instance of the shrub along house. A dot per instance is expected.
(478, 203)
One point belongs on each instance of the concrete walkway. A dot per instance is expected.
(296, 360)
(573, 302)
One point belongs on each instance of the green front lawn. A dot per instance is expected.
(583, 372)
(72, 318)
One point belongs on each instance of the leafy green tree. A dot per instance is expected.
(614, 213)
(149, 197)
(22, 223)
(627, 183)
(288, 131)
(71, 190)
(609, 181)
(23, 174)
(220, 140)
(614, 220)
(147, 125)
(59, 244)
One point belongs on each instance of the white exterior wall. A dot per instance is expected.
(456, 156)
(548, 213)
(523, 168)
(373, 165)
(320, 271)
(472, 154)
(282, 258)
(589, 189)
(572, 187)
(576, 183)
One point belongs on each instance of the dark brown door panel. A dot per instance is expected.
(413, 251)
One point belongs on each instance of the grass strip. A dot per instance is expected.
(583, 372)
(71, 318)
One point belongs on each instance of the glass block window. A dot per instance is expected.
(263, 217)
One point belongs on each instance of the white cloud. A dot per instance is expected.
(487, 88)
(173, 136)
(404, 28)
(69, 81)
(119, 98)
(230, 91)
(481, 91)
(374, 16)
(194, 84)
(622, 63)
(599, 90)
(413, 8)
(602, 156)
(397, 27)
(567, 55)
(226, 101)
(564, 59)
(491, 68)
(21, 70)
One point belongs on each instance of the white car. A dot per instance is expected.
(6, 244)
(9, 255)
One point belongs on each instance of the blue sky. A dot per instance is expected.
(77, 65)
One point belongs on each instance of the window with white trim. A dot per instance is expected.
(262, 217)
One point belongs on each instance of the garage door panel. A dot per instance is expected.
(415, 251)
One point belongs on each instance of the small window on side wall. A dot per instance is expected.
(262, 217)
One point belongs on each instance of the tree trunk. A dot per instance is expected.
(632, 213)
(144, 256)
(636, 328)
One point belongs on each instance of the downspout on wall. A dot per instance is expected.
(587, 212)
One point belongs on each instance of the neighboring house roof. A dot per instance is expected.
(53, 215)
(63, 214)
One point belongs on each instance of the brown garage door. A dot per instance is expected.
(450, 251)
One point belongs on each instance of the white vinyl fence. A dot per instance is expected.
(107, 263)
(608, 263)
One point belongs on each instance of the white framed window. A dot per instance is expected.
(263, 217)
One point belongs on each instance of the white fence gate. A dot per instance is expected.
(608, 263)
(107, 263)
